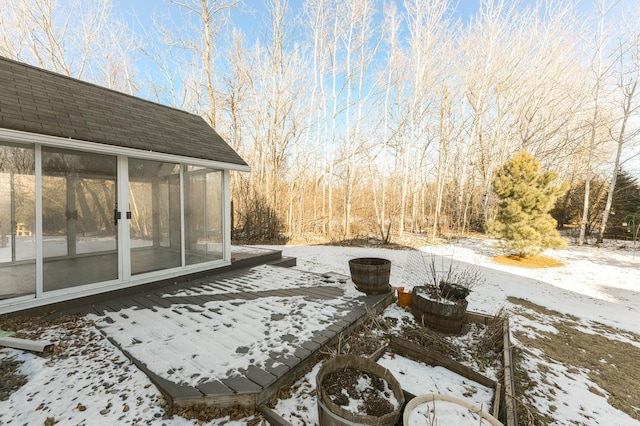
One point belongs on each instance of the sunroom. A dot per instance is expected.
(100, 190)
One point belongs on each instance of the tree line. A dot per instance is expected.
(363, 117)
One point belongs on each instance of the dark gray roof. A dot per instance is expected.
(39, 101)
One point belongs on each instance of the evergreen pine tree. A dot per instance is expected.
(523, 223)
(625, 204)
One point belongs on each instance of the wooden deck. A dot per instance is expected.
(201, 306)
(66, 272)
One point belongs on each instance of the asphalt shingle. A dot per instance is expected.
(39, 101)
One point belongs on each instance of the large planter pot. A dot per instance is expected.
(453, 291)
(371, 274)
(445, 410)
(332, 414)
(441, 314)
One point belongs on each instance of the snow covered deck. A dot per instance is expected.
(234, 338)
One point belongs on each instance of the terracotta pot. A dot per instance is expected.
(404, 297)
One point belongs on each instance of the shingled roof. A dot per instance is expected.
(39, 101)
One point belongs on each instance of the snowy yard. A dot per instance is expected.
(576, 329)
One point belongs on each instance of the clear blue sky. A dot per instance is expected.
(144, 9)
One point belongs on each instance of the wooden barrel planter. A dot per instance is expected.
(424, 410)
(332, 414)
(371, 274)
(441, 314)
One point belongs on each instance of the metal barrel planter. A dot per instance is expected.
(371, 274)
(332, 414)
(443, 314)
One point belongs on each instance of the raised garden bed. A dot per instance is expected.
(379, 337)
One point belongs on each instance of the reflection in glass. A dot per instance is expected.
(79, 235)
(17, 221)
(154, 202)
(203, 214)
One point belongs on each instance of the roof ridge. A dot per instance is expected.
(95, 85)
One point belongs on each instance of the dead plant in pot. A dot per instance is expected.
(453, 283)
(440, 298)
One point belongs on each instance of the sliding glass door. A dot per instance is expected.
(79, 233)
(203, 214)
(17, 221)
(72, 218)
(154, 204)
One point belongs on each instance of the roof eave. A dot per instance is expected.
(21, 137)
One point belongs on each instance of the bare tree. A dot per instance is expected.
(600, 70)
(483, 59)
(233, 123)
(352, 121)
(316, 18)
(379, 163)
(114, 66)
(337, 86)
(360, 47)
(67, 38)
(426, 26)
(204, 20)
(627, 94)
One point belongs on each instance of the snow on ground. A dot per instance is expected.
(161, 338)
(95, 384)
(444, 412)
(596, 284)
(418, 379)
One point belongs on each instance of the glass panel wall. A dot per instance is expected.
(79, 234)
(79, 218)
(202, 214)
(154, 202)
(17, 221)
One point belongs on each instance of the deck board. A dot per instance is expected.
(204, 304)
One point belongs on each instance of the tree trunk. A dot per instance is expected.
(616, 165)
